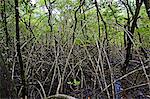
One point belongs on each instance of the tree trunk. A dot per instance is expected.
(24, 92)
(147, 5)
(130, 35)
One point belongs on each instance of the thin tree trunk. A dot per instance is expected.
(130, 36)
(147, 5)
(75, 17)
(24, 92)
(4, 18)
(98, 22)
(142, 49)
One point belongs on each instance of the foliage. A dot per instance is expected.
(83, 39)
(75, 82)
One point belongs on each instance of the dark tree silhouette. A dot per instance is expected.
(130, 35)
(24, 92)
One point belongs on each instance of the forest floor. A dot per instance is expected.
(79, 71)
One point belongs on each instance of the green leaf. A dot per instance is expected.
(76, 83)
(70, 83)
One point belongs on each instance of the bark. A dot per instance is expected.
(4, 18)
(142, 49)
(98, 21)
(130, 36)
(83, 26)
(104, 23)
(24, 92)
(147, 6)
(75, 17)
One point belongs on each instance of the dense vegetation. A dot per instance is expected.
(92, 49)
